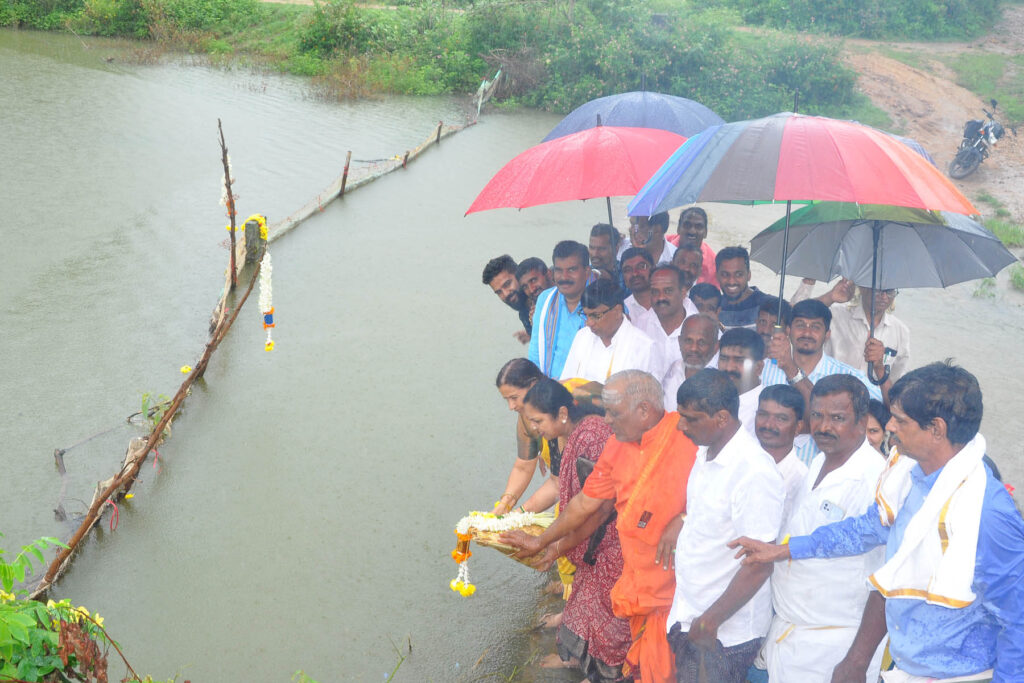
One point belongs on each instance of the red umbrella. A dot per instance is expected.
(605, 161)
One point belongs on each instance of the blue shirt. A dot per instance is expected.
(771, 374)
(932, 640)
(567, 325)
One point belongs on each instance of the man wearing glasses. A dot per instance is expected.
(649, 233)
(608, 343)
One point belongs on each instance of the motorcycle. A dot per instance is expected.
(979, 137)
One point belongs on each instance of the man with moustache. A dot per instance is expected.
(741, 357)
(558, 315)
(721, 609)
(688, 260)
(641, 475)
(740, 301)
(648, 232)
(500, 274)
(779, 418)
(698, 348)
(950, 593)
(669, 302)
(798, 359)
(604, 245)
(636, 267)
(608, 343)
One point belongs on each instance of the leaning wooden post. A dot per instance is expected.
(344, 174)
(405, 159)
(437, 141)
(229, 201)
(254, 241)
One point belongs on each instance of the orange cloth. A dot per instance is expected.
(648, 483)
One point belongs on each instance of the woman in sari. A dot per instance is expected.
(514, 380)
(590, 635)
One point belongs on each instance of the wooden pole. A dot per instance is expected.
(405, 159)
(344, 174)
(437, 141)
(126, 479)
(230, 202)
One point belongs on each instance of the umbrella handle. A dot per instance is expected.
(878, 381)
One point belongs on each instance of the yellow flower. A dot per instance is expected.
(98, 619)
(185, 369)
(129, 496)
(51, 604)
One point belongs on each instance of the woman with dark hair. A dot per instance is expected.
(514, 380)
(878, 417)
(590, 635)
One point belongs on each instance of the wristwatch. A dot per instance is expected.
(795, 379)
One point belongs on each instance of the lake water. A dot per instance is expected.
(301, 515)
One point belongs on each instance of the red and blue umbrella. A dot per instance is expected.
(796, 158)
(639, 109)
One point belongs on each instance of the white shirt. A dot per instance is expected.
(798, 588)
(793, 472)
(638, 315)
(748, 407)
(739, 493)
(630, 349)
(675, 376)
(849, 334)
(668, 343)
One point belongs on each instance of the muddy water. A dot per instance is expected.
(300, 517)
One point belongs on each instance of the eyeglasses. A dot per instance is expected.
(891, 293)
(638, 268)
(597, 316)
(637, 229)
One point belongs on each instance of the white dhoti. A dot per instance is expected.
(808, 654)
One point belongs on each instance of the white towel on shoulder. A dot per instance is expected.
(935, 561)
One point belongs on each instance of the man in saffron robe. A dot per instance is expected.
(642, 476)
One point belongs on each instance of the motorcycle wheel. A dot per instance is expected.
(964, 163)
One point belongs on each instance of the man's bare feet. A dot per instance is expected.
(553, 661)
(551, 620)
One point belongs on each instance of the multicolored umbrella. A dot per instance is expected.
(639, 109)
(606, 161)
(797, 158)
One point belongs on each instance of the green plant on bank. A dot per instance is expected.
(556, 54)
(1010, 234)
(153, 410)
(993, 76)
(55, 641)
(1017, 277)
(986, 289)
(912, 19)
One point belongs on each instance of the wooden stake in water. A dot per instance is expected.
(229, 201)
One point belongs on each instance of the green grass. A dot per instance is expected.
(993, 76)
(1011, 234)
(986, 289)
(1017, 277)
(988, 199)
(918, 60)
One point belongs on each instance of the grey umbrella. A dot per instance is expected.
(881, 247)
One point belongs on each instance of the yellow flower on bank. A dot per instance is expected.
(51, 604)
(129, 496)
(185, 369)
(98, 619)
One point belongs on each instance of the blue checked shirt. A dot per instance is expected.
(805, 447)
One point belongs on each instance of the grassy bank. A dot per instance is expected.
(556, 54)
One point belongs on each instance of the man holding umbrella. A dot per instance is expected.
(851, 341)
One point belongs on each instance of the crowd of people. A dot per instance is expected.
(750, 489)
